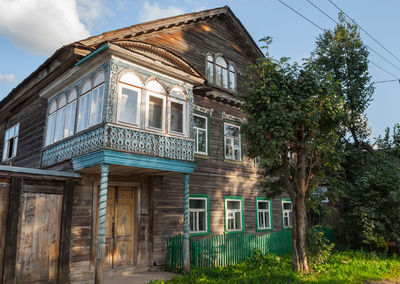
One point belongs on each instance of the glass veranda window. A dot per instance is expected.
(51, 122)
(200, 128)
(233, 214)
(155, 105)
(177, 117)
(129, 98)
(232, 142)
(198, 215)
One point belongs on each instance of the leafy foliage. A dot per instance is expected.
(339, 267)
(369, 187)
(342, 54)
(319, 248)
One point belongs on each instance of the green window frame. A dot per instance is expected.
(232, 142)
(207, 130)
(261, 214)
(231, 213)
(287, 214)
(194, 214)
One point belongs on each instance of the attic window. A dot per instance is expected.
(220, 72)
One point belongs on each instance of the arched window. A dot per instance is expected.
(61, 118)
(210, 69)
(129, 98)
(232, 78)
(155, 105)
(51, 122)
(220, 72)
(70, 114)
(177, 111)
(91, 103)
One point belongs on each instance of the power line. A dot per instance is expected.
(364, 30)
(374, 51)
(304, 17)
(383, 69)
(386, 81)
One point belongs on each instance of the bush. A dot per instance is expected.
(319, 247)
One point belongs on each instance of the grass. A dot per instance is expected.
(340, 267)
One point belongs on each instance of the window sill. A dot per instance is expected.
(201, 156)
(233, 162)
(199, 234)
(234, 232)
(265, 230)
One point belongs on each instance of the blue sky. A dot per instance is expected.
(30, 30)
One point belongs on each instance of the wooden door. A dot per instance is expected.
(38, 238)
(120, 227)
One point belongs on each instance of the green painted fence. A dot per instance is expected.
(226, 249)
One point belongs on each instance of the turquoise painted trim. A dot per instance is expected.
(282, 200)
(207, 197)
(186, 225)
(241, 139)
(131, 160)
(270, 214)
(104, 47)
(225, 209)
(208, 130)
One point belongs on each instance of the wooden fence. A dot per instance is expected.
(226, 249)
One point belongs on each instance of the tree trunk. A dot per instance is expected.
(299, 255)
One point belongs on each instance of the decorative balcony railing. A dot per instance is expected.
(120, 139)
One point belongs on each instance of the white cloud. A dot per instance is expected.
(8, 78)
(154, 11)
(41, 26)
(90, 11)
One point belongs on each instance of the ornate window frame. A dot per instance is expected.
(206, 129)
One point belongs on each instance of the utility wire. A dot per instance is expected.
(374, 51)
(398, 59)
(386, 81)
(304, 17)
(308, 20)
(383, 69)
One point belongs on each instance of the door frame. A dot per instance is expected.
(137, 195)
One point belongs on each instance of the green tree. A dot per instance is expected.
(342, 54)
(369, 187)
(293, 115)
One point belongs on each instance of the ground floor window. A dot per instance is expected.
(264, 214)
(199, 214)
(234, 214)
(287, 213)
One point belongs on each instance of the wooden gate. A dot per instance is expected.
(38, 241)
(37, 233)
(120, 227)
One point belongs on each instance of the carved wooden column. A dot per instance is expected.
(101, 233)
(186, 225)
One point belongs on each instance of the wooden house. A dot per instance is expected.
(138, 132)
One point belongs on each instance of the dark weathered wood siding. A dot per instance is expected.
(32, 119)
(195, 40)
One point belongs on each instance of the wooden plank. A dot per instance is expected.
(4, 198)
(12, 229)
(65, 241)
(39, 238)
(40, 186)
